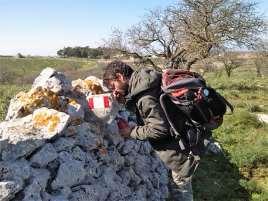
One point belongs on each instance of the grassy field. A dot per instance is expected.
(241, 173)
(24, 70)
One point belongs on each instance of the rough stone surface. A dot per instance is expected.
(44, 156)
(8, 189)
(60, 154)
(53, 81)
(24, 103)
(89, 86)
(50, 121)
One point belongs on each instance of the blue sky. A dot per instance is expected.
(42, 27)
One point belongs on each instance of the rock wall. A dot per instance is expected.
(52, 148)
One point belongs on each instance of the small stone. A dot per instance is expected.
(63, 144)
(78, 154)
(91, 85)
(128, 146)
(76, 112)
(40, 176)
(90, 193)
(8, 189)
(86, 138)
(49, 197)
(32, 192)
(10, 170)
(70, 173)
(44, 156)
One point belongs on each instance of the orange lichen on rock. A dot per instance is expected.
(72, 102)
(94, 87)
(38, 97)
(44, 119)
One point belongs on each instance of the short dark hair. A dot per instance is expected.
(114, 67)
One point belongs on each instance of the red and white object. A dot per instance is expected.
(99, 101)
(103, 106)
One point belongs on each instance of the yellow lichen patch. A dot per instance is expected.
(72, 102)
(37, 98)
(44, 119)
(93, 86)
(21, 95)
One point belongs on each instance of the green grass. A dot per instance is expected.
(6, 93)
(242, 172)
(24, 70)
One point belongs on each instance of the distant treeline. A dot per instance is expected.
(86, 52)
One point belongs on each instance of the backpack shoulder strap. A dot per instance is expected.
(226, 102)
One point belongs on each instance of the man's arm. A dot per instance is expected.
(155, 126)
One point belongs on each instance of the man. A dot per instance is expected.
(140, 90)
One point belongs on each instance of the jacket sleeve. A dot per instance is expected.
(155, 125)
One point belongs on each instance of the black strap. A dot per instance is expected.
(226, 102)
(190, 138)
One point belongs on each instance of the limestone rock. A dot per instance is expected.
(89, 86)
(12, 170)
(53, 81)
(70, 173)
(86, 138)
(50, 121)
(20, 137)
(90, 193)
(44, 156)
(24, 103)
(32, 192)
(8, 189)
(64, 144)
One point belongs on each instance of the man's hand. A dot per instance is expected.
(125, 132)
(124, 127)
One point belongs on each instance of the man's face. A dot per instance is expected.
(119, 88)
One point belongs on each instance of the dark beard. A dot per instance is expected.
(123, 94)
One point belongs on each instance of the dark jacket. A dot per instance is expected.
(143, 99)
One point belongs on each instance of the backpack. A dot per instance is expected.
(191, 107)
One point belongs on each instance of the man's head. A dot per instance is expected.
(116, 77)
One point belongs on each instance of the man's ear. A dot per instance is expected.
(120, 77)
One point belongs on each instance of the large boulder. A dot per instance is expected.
(52, 80)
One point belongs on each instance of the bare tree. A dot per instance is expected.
(230, 62)
(187, 32)
(261, 60)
